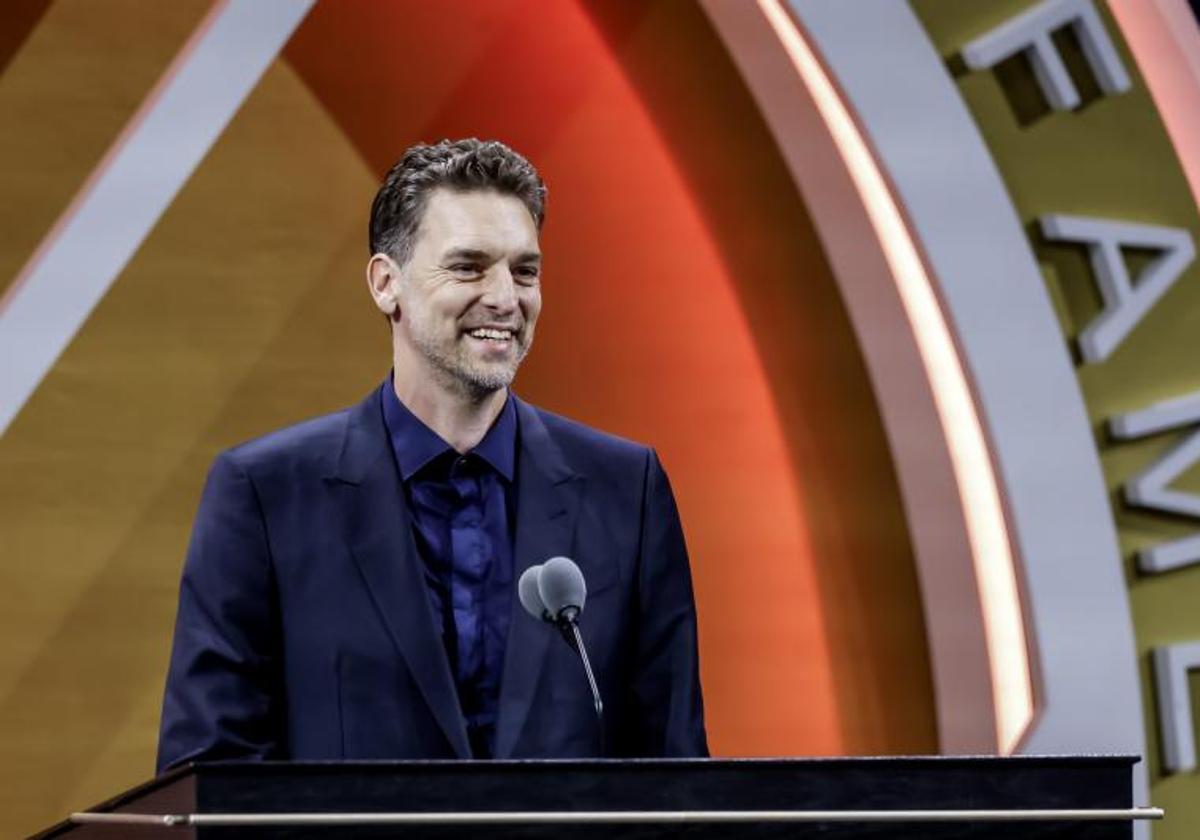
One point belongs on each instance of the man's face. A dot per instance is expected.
(469, 296)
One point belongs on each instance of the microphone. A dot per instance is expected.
(562, 588)
(531, 599)
(555, 592)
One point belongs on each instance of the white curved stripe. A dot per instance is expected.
(1011, 346)
(122, 200)
(1012, 692)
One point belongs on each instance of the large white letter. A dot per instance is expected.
(1178, 730)
(1148, 489)
(1125, 302)
(1030, 32)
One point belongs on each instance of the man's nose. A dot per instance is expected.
(500, 290)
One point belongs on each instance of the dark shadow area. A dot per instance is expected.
(18, 20)
(1021, 89)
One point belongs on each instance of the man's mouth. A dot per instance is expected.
(489, 334)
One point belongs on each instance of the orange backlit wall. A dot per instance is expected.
(687, 305)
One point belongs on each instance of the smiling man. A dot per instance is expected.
(349, 589)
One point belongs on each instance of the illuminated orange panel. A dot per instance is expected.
(641, 332)
(681, 273)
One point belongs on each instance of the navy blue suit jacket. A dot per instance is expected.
(304, 630)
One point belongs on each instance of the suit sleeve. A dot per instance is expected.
(666, 685)
(223, 695)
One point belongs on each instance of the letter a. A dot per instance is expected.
(1125, 303)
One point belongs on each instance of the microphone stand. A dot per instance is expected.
(568, 625)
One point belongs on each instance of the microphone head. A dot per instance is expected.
(561, 586)
(527, 591)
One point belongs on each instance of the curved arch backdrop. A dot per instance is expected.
(707, 291)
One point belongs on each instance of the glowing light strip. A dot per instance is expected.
(1004, 630)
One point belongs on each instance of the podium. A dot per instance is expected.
(927, 797)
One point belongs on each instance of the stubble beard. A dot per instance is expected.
(456, 369)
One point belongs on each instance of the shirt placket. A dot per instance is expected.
(470, 559)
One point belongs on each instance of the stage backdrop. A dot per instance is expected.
(826, 258)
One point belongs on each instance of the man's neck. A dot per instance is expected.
(459, 419)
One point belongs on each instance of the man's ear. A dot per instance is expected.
(383, 280)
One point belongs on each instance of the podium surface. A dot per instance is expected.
(570, 790)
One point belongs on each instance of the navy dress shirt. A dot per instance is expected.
(462, 517)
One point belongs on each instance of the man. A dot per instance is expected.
(349, 590)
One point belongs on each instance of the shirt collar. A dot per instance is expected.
(415, 444)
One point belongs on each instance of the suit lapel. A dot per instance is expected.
(377, 527)
(547, 506)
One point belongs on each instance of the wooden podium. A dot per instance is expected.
(1077, 797)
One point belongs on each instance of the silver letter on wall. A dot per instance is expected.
(1171, 666)
(1030, 32)
(1149, 489)
(1125, 302)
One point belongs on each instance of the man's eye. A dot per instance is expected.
(465, 268)
(527, 273)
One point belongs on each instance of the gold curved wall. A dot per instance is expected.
(1114, 162)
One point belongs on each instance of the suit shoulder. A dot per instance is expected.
(314, 443)
(583, 441)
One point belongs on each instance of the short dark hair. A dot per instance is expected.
(462, 165)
